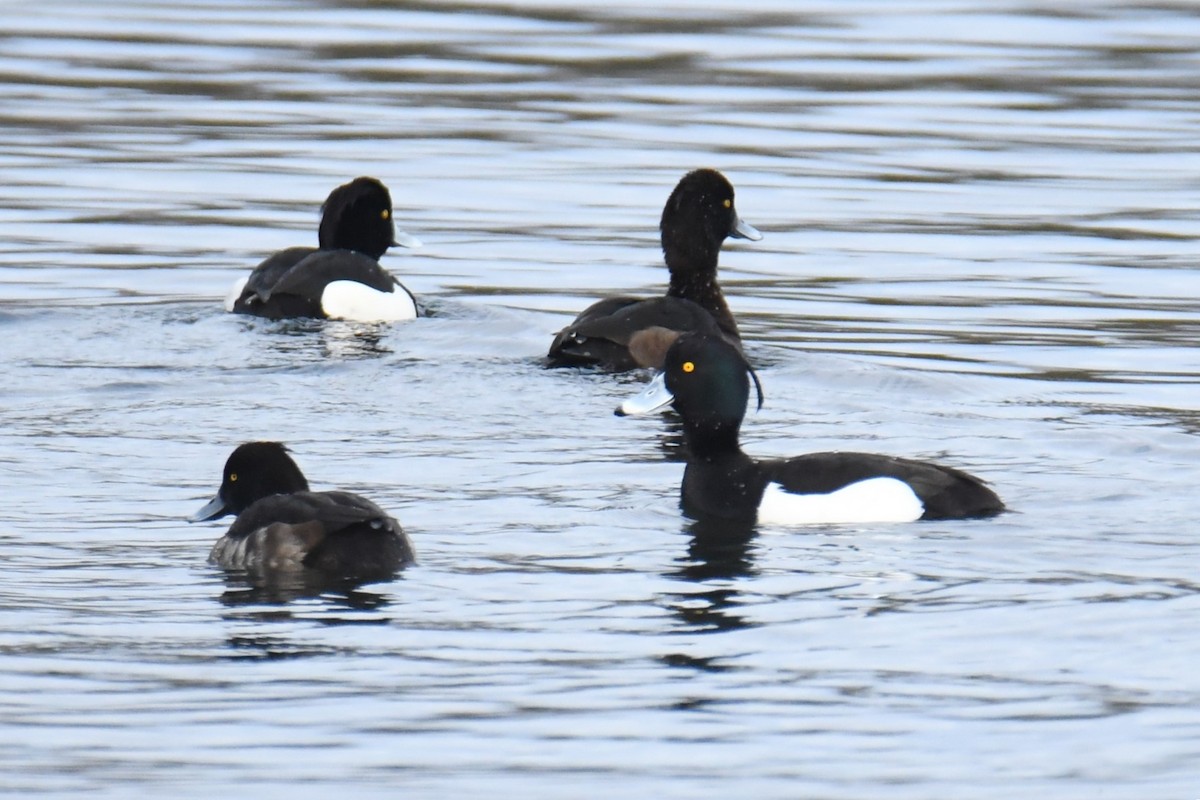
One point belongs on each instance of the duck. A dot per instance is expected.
(281, 525)
(697, 219)
(341, 278)
(707, 381)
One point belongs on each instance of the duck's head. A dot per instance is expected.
(699, 216)
(704, 376)
(253, 471)
(358, 216)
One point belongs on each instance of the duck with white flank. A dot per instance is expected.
(340, 279)
(707, 380)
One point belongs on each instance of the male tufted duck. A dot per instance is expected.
(706, 379)
(342, 279)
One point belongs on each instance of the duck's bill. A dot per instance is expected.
(744, 230)
(215, 508)
(403, 239)
(654, 397)
(235, 293)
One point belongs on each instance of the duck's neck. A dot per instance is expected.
(728, 485)
(702, 288)
(713, 440)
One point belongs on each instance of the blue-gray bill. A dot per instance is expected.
(212, 510)
(744, 230)
(408, 240)
(655, 396)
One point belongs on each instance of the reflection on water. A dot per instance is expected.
(339, 341)
(980, 247)
(279, 587)
(712, 610)
(719, 549)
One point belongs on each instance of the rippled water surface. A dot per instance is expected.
(980, 227)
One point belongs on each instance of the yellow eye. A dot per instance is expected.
(385, 214)
(728, 203)
(688, 366)
(233, 477)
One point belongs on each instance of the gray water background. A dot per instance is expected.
(980, 227)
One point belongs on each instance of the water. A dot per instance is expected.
(980, 227)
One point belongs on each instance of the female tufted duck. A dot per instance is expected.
(698, 217)
(281, 525)
(342, 279)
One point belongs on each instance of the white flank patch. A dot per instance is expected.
(235, 293)
(870, 500)
(360, 303)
